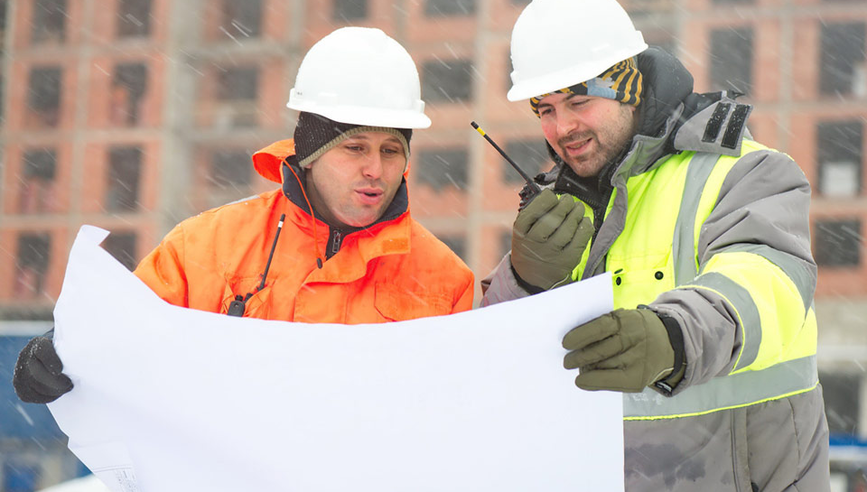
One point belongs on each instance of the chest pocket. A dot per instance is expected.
(397, 303)
(259, 304)
(640, 280)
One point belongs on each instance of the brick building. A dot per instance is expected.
(134, 114)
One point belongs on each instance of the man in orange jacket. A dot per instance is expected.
(336, 243)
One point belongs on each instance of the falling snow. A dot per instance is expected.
(133, 115)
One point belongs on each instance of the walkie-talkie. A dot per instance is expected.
(528, 192)
(239, 305)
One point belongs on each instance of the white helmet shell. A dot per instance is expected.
(560, 43)
(360, 76)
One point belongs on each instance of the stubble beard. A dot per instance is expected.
(606, 154)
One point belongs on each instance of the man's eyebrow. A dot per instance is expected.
(567, 98)
(363, 136)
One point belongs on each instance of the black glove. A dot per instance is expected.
(38, 377)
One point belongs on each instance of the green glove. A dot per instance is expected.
(624, 350)
(548, 239)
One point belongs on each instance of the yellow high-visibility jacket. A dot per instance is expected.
(712, 229)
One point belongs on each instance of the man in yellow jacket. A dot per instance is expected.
(336, 242)
(705, 233)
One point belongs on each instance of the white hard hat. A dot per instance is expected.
(560, 43)
(360, 76)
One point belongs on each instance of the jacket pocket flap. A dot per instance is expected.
(398, 303)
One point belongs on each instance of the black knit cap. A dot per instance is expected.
(316, 135)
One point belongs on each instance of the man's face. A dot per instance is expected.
(354, 182)
(586, 131)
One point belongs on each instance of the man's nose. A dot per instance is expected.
(566, 124)
(372, 166)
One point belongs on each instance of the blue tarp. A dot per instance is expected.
(848, 440)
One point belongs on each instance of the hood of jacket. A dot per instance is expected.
(268, 161)
(674, 119)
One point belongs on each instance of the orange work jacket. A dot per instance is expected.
(392, 270)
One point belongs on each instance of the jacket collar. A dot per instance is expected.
(712, 122)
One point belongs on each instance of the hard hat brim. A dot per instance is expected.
(567, 77)
(363, 115)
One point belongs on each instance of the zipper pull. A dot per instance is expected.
(336, 240)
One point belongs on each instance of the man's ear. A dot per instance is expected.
(636, 118)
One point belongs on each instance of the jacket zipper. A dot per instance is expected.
(335, 241)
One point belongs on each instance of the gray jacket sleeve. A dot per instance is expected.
(500, 285)
(763, 209)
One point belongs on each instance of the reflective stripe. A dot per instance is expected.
(791, 266)
(683, 247)
(748, 313)
(787, 365)
(735, 390)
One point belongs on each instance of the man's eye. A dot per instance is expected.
(543, 112)
(390, 151)
(355, 148)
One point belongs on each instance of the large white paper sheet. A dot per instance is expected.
(172, 399)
